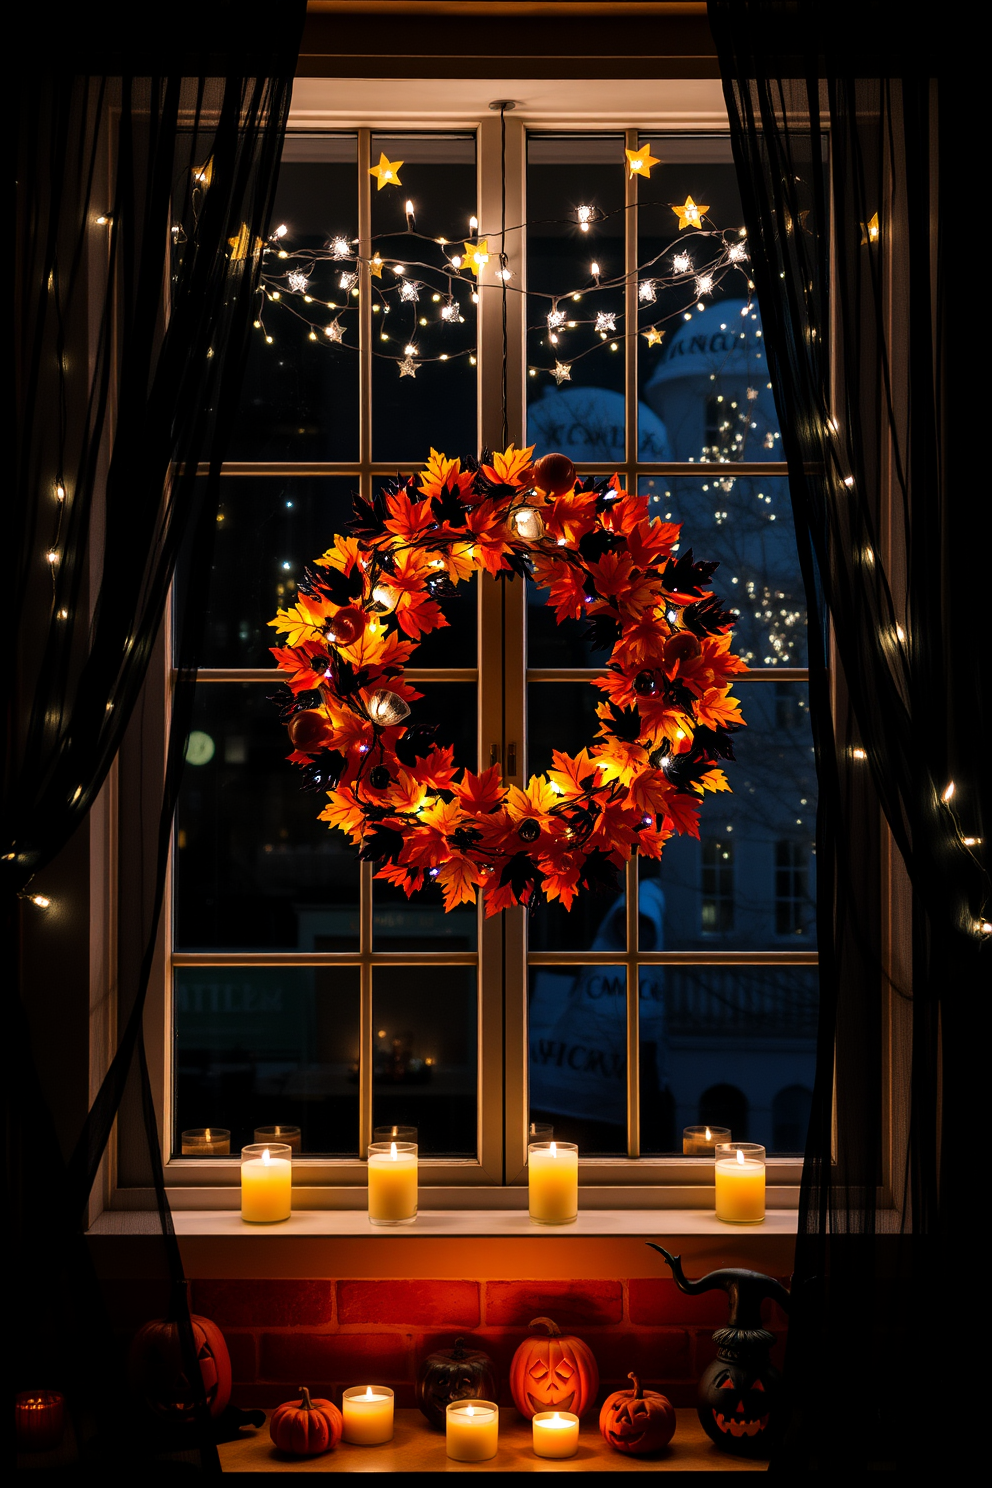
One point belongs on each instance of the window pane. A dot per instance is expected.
(753, 870)
(727, 1046)
(255, 869)
(267, 1046)
(426, 1055)
(584, 416)
(437, 405)
(577, 1030)
(300, 397)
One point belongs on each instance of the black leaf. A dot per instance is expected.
(342, 588)
(598, 872)
(683, 576)
(520, 563)
(626, 723)
(441, 587)
(416, 743)
(603, 632)
(447, 507)
(465, 837)
(597, 542)
(312, 583)
(345, 679)
(370, 516)
(325, 772)
(523, 876)
(598, 483)
(383, 846)
(677, 695)
(708, 617)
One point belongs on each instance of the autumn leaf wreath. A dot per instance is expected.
(666, 720)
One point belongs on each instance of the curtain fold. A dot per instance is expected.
(147, 167)
(844, 140)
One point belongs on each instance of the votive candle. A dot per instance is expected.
(266, 1183)
(39, 1418)
(368, 1415)
(286, 1136)
(392, 1183)
(701, 1141)
(553, 1182)
(472, 1430)
(739, 1174)
(556, 1434)
(206, 1141)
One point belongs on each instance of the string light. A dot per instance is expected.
(594, 270)
(556, 318)
(41, 900)
(682, 263)
(281, 231)
(297, 281)
(59, 491)
(646, 292)
(340, 248)
(52, 556)
(449, 310)
(736, 252)
(410, 290)
(584, 216)
(334, 331)
(347, 281)
(948, 792)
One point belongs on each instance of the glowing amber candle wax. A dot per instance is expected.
(472, 1430)
(739, 1173)
(368, 1415)
(392, 1182)
(556, 1434)
(701, 1141)
(266, 1184)
(206, 1141)
(553, 1182)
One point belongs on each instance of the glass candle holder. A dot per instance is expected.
(392, 1183)
(287, 1136)
(395, 1134)
(739, 1175)
(540, 1131)
(556, 1434)
(367, 1411)
(266, 1182)
(701, 1141)
(39, 1420)
(553, 1182)
(471, 1430)
(206, 1141)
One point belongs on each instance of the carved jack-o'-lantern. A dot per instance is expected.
(157, 1372)
(636, 1421)
(454, 1374)
(553, 1372)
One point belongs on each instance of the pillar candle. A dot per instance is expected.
(556, 1434)
(392, 1182)
(206, 1141)
(38, 1420)
(472, 1430)
(368, 1415)
(266, 1184)
(739, 1174)
(701, 1141)
(553, 1182)
(285, 1136)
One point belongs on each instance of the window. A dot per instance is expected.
(792, 907)
(303, 991)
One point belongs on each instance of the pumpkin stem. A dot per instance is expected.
(458, 1352)
(306, 1403)
(638, 1392)
(553, 1329)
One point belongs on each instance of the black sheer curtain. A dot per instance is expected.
(846, 147)
(147, 160)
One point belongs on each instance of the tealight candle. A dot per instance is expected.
(38, 1420)
(700, 1141)
(368, 1415)
(266, 1183)
(288, 1136)
(556, 1434)
(206, 1141)
(739, 1173)
(392, 1183)
(472, 1430)
(553, 1182)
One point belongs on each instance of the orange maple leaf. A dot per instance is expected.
(716, 707)
(459, 878)
(417, 614)
(344, 812)
(568, 518)
(479, 794)
(510, 467)
(408, 519)
(571, 772)
(651, 540)
(410, 880)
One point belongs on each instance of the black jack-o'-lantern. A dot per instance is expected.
(739, 1397)
(454, 1374)
(157, 1370)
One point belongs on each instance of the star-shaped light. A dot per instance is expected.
(562, 373)
(556, 318)
(340, 247)
(410, 290)
(376, 265)
(476, 256)
(243, 246)
(640, 161)
(335, 331)
(689, 214)
(408, 367)
(606, 321)
(681, 263)
(347, 281)
(297, 281)
(652, 336)
(869, 230)
(646, 292)
(386, 172)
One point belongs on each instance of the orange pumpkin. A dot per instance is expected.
(553, 1371)
(156, 1371)
(306, 1427)
(636, 1421)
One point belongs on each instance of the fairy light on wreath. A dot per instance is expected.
(666, 718)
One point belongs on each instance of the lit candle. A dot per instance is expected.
(266, 1183)
(472, 1430)
(700, 1141)
(38, 1420)
(288, 1136)
(368, 1415)
(392, 1182)
(206, 1141)
(556, 1434)
(553, 1182)
(739, 1173)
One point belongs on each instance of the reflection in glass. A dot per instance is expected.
(577, 1032)
(254, 867)
(730, 1046)
(425, 1022)
(267, 1046)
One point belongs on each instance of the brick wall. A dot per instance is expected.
(331, 1334)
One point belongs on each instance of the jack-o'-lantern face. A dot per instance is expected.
(454, 1374)
(743, 1414)
(636, 1421)
(553, 1380)
(557, 1372)
(158, 1375)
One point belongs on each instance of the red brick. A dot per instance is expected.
(443, 1304)
(655, 1354)
(244, 1355)
(659, 1301)
(569, 1303)
(265, 1304)
(355, 1358)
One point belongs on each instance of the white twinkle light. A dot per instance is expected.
(281, 231)
(704, 284)
(297, 281)
(646, 292)
(340, 248)
(409, 290)
(347, 281)
(606, 321)
(681, 263)
(449, 310)
(556, 318)
(736, 252)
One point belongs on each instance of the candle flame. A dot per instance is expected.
(470, 1411)
(392, 1150)
(368, 1393)
(740, 1157)
(265, 1156)
(557, 1420)
(554, 1149)
(709, 1134)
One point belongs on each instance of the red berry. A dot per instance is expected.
(554, 474)
(346, 626)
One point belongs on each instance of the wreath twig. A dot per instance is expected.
(665, 722)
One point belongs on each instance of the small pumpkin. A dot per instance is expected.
(454, 1374)
(553, 1371)
(306, 1427)
(636, 1421)
(156, 1370)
